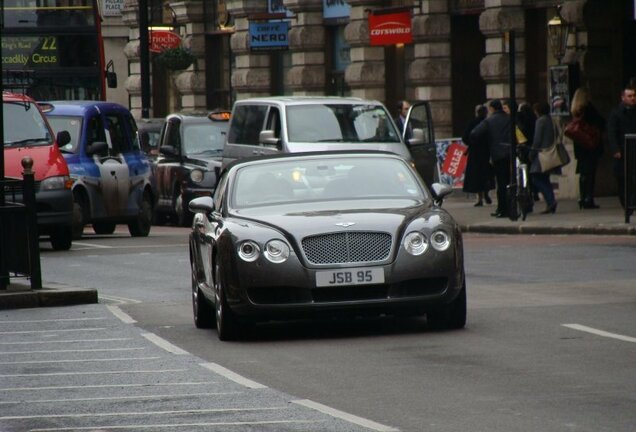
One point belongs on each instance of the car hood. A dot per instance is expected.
(47, 161)
(360, 215)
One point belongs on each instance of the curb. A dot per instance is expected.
(20, 296)
(543, 230)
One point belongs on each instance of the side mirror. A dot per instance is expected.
(97, 148)
(417, 138)
(440, 191)
(267, 137)
(63, 138)
(169, 150)
(203, 204)
(111, 75)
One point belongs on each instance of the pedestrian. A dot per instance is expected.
(622, 121)
(478, 177)
(403, 110)
(544, 136)
(526, 120)
(587, 159)
(495, 129)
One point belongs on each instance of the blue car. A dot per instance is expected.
(112, 175)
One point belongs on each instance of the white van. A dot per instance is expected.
(291, 124)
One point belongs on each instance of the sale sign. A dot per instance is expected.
(161, 40)
(452, 157)
(390, 28)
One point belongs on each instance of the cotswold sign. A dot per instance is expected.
(390, 27)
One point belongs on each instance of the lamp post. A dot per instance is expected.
(558, 32)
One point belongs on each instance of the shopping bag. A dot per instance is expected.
(553, 157)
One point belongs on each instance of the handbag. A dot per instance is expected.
(582, 133)
(553, 157)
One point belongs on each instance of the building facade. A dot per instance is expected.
(458, 56)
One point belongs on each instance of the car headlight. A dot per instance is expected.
(277, 251)
(249, 251)
(196, 176)
(56, 183)
(440, 241)
(415, 243)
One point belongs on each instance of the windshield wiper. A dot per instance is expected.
(26, 142)
(332, 140)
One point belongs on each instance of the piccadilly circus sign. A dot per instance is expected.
(390, 27)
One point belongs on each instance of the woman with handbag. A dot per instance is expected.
(544, 137)
(585, 130)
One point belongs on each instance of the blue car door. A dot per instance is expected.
(114, 168)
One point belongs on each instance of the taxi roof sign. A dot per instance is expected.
(219, 115)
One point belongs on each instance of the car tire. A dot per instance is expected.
(140, 227)
(452, 316)
(182, 213)
(202, 310)
(227, 325)
(104, 227)
(62, 238)
(79, 217)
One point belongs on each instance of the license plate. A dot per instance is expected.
(353, 276)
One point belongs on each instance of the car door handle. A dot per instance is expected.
(113, 173)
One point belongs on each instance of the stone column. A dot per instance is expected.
(307, 44)
(366, 73)
(129, 15)
(430, 72)
(501, 16)
(252, 76)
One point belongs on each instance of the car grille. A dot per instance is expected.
(347, 247)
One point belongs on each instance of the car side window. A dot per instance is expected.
(219, 193)
(117, 131)
(173, 136)
(247, 123)
(95, 130)
(273, 121)
(132, 126)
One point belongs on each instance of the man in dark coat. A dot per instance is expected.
(478, 177)
(495, 129)
(622, 121)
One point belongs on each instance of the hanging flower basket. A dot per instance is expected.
(175, 58)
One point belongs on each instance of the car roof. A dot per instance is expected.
(196, 117)
(307, 100)
(78, 107)
(15, 97)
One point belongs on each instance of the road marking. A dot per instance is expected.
(164, 344)
(117, 299)
(93, 373)
(232, 376)
(71, 351)
(52, 320)
(90, 245)
(172, 426)
(54, 331)
(369, 424)
(65, 341)
(597, 332)
(145, 385)
(80, 360)
(123, 316)
(145, 413)
(118, 398)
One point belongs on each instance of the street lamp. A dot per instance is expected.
(558, 32)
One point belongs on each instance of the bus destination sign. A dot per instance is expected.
(19, 52)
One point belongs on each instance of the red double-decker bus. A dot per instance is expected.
(53, 49)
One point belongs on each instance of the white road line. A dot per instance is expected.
(118, 299)
(91, 245)
(145, 413)
(145, 385)
(369, 424)
(597, 332)
(52, 320)
(232, 376)
(123, 316)
(164, 344)
(71, 351)
(172, 426)
(65, 341)
(53, 331)
(161, 371)
(117, 398)
(80, 360)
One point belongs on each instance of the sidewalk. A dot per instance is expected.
(568, 219)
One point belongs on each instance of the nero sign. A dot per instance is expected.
(269, 35)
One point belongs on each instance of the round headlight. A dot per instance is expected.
(415, 243)
(196, 176)
(249, 251)
(440, 240)
(277, 251)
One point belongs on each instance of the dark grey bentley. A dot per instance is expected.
(292, 236)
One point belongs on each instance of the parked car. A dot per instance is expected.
(292, 124)
(292, 236)
(112, 176)
(190, 149)
(28, 134)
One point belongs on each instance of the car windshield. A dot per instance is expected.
(204, 138)
(67, 123)
(24, 125)
(324, 179)
(348, 123)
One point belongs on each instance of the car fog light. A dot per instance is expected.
(277, 251)
(440, 240)
(196, 176)
(249, 251)
(415, 243)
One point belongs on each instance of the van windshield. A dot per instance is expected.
(349, 123)
(24, 125)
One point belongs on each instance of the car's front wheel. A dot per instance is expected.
(62, 238)
(140, 227)
(201, 309)
(452, 316)
(227, 325)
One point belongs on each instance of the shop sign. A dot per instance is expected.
(390, 28)
(112, 7)
(161, 40)
(335, 11)
(451, 157)
(277, 7)
(270, 35)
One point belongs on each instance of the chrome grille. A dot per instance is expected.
(347, 247)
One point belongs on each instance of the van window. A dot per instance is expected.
(24, 125)
(117, 130)
(71, 124)
(247, 122)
